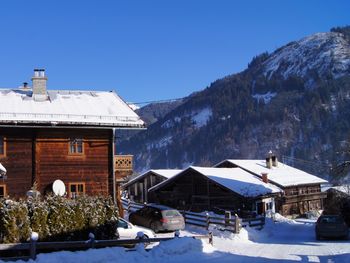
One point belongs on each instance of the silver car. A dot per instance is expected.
(126, 230)
(158, 218)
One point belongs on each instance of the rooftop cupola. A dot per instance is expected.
(39, 85)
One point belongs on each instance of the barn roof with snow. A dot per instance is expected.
(234, 179)
(64, 107)
(281, 175)
(165, 173)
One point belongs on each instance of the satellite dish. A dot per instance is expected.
(58, 188)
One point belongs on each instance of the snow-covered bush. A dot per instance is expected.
(14, 222)
(58, 218)
(38, 214)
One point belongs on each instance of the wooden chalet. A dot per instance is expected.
(301, 190)
(137, 188)
(47, 135)
(213, 189)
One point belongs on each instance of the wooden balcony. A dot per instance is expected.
(304, 197)
(123, 162)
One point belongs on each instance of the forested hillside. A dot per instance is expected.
(294, 101)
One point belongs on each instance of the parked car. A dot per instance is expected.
(331, 226)
(127, 230)
(158, 218)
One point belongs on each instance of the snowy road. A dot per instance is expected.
(285, 242)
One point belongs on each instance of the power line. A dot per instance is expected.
(155, 101)
(293, 159)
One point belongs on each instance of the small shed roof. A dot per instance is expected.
(234, 179)
(64, 107)
(165, 173)
(282, 175)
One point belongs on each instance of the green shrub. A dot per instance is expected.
(15, 224)
(58, 218)
(38, 214)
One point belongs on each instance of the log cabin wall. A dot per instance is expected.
(300, 199)
(194, 192)
(42, 155)
(53, 159)
(17, 159)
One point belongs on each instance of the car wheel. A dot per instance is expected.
(153, 226)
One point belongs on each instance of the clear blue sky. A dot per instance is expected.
(149, 50)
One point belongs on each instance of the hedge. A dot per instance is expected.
(58, 219)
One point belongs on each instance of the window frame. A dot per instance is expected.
(73, 144)
(77, 193)
(3, 139)
(5, 190)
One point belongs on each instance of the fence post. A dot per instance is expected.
(211, 238)
(227, 218)
(236, 224)
(33, 239)
(129, 205)
(92, 240)
(207, 219)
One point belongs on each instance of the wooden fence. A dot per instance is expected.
(225, 222)
(33, 247)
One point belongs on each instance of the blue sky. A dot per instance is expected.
(149, 50)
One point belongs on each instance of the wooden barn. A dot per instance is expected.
(213, 189)
(47, 135)
(301, 190)
(137, 188)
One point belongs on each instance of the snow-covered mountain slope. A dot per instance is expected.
(294, 101)
(325, 53)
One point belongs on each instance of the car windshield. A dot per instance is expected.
(331, 220)
(122, 223)
(171, 213)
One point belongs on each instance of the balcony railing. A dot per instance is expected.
(123, 162)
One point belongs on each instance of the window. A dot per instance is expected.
(2, 191)
(76, 189)
(2, 146)
(76, 146)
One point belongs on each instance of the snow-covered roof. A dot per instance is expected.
(165, 173)
(234, 179)
(2, 170)
(63, 107)
(282, 175)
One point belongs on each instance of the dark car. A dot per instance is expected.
(331, 226)
(158, 218)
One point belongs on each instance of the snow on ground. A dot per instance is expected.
(266, 97)
(201, 117)
(281, 241)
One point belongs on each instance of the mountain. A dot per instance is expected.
(156, 111)
(294, 101)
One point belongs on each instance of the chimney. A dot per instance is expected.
(269, 162)
(274, 161)
(25, 86)
(265, 179)
(39, 85)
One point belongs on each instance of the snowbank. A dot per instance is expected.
(281, 240)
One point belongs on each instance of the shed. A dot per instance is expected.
(137, 187)
(207, 188)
